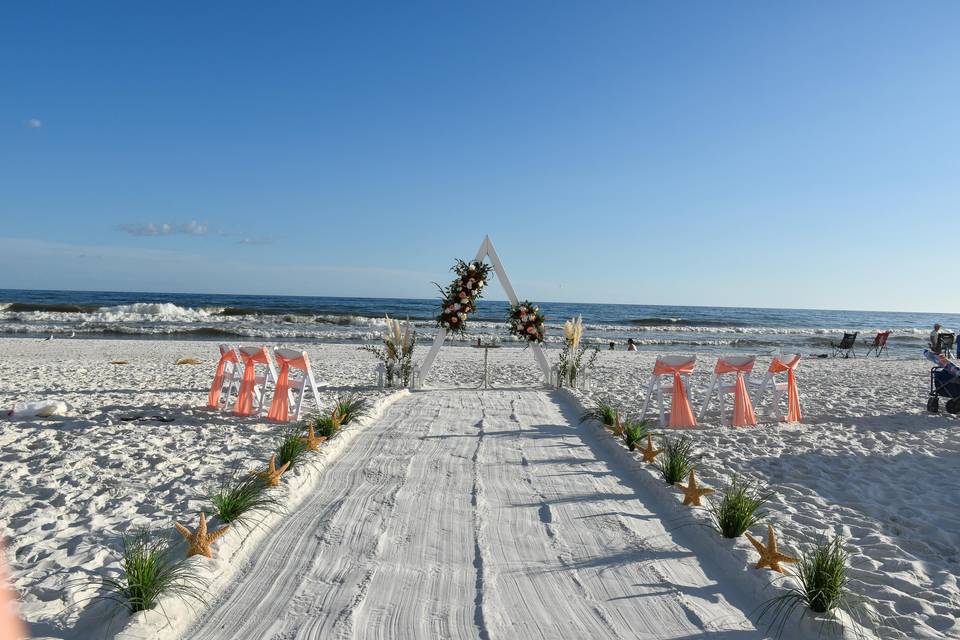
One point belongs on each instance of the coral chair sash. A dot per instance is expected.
(743, 415)
(213, 399)
(793, 395)
(244, 406)
(280, 407)
(681, 415)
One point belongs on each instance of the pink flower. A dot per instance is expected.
(531, 330)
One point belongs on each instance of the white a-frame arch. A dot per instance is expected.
(487, 251)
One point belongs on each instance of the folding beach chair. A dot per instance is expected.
(944, 345)
(678, 368)
(781, 364)
(226, 379)
(879, 343)
(846, 345)
(738, 368)
(253, 385)
(290, 359)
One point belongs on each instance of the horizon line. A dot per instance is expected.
(634, 304)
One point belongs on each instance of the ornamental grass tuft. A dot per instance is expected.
(603, 412)
(740, 508)
(150, 572)
(677, 459)
(351, 407)
(634, 432)
(241, 495)
(292, 447)
(822, 587)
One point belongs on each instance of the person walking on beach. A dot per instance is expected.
(631, 345)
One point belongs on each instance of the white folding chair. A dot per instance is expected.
(667, 367)
(780, 364)
(231, 374)
(251, 357)
(285, 390)
(724, 382)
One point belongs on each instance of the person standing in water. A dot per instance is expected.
(631, 345)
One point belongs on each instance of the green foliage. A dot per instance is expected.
(676, 460)
(240, 495)
(739, 509)
(603, 413)
(292, 446)
(351, 407)
(823, 589)
(149, 573)
(634, 431)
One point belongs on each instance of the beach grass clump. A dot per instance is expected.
(240, 495)
(603, 412)
(634, 431)
(292, 447)
(740, 508)
(328, 426)
(149, 572)
(677, 459)
(822, 587)
(351, 407)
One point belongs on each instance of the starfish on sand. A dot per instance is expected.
(336, 419)
(312, 440)
(693, 492)
(272, 474)
(769, 555)
(649, 453)
(199, 543)
(617, 427)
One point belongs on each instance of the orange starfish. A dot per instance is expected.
(313, 441)
(617, 427)
(769, 555)
(199, 543)
(692, 493)
(649, 453)
(272, 474)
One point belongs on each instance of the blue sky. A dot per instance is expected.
(703, 153)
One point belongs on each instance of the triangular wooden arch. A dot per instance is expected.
(486, 251)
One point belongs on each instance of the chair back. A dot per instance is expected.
(291, 355)
(849, 339)
(782, 362)
(730, 364)
(883, 335)
(675, 361)
(945, 341)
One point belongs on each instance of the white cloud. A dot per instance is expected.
(255, 241)
(192, 228)
(34, 123)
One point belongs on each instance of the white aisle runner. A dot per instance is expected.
(474, 514)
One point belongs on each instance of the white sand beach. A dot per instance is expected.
(464, 513)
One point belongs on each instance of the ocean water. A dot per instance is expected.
(328, 319)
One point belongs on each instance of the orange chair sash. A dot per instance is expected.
(743, 415)
(681, 415)
(244, 406)
(213, 398)
(793, 395)
(280, 406)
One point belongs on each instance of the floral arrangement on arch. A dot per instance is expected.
(460, 298)
(525, 321)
